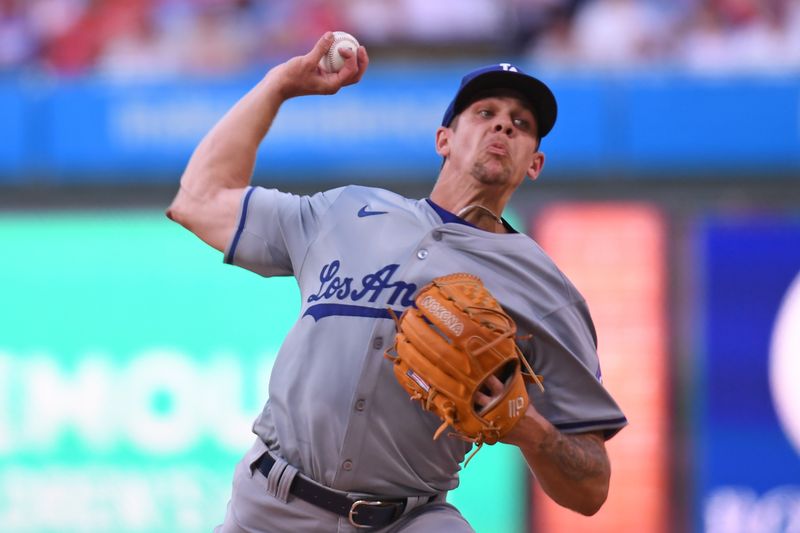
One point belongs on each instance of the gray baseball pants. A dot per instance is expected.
(262, 505)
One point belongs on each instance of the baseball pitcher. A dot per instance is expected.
(429, 327)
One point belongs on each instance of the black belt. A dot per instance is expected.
(361, 513)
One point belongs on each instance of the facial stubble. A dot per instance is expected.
(481, 172)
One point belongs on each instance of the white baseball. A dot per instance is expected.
(333, 61)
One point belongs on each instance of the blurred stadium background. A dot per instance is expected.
(132, 362)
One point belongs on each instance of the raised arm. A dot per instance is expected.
(222, 165)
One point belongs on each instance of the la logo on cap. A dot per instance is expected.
(508, 67)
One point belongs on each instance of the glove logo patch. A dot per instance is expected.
(445, 317)
(515, 406)
(418, 380)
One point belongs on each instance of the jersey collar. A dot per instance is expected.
(448, 217)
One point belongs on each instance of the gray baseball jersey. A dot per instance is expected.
(335, 410)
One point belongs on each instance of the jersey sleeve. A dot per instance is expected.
(565, 353)
(274, 230)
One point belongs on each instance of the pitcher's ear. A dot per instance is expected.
(443, 141)
(537, 164)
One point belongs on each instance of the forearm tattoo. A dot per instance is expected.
(578, 456)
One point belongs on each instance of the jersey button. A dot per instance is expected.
(377, 343)
(360, 403)
(347, 465)
(422, 254)
(437, 235)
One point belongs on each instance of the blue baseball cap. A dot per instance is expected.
(506, 76)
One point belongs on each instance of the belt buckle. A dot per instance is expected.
(353, 511)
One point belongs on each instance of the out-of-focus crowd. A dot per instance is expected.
(147, 38)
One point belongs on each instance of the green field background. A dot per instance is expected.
(132, 362)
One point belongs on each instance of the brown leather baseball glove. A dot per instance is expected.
(454, 338)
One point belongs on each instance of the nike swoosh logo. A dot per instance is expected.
(364, 213)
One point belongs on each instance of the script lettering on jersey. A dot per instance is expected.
(337, 294)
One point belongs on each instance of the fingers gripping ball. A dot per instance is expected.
(332, 61)
(454, 338)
